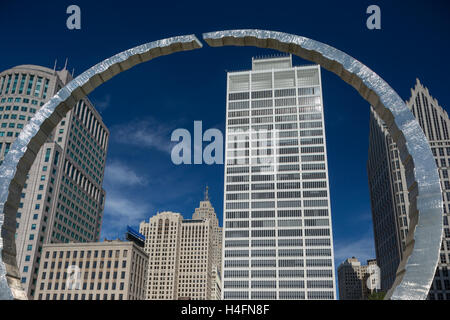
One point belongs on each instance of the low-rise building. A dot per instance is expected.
(109, 270)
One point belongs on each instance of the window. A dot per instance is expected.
(47, 154)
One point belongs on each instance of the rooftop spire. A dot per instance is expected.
(206, 194)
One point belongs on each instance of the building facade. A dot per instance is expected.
(62, 199)
(109, 270)
(352, 278)
(206, 211)
(196, 280)
(162, 244)
(389, 190)
(389, 200)
(183, 255)
(277, 219)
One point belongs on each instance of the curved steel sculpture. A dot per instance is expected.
(416, 270)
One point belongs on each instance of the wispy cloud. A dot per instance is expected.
(117, 173)
(362, 248)
(123, 206)
(121, 210)
(366, 216)
(103, 104)
(148, 133)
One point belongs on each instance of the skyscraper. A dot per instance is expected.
(162, 244)
(389, 200)
(277, 217)
(183, 255)
(62, 199)
(206, 211)
(389, 191)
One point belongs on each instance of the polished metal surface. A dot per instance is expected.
(416, 271)
(19, 159)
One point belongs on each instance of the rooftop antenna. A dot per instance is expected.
(206, 194)
(65, 65)
(54, 66)
(73, 71)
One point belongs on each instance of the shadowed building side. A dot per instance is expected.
(389, 194)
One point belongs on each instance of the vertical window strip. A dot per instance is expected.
(444, 126)
(37, 89)
(44, 95)
(16, 78)
(47, 154)
(22, 83)
(427, 117)
(1, 86)
(436, 123)
(419, 112)
(30, 84)
(8, 84)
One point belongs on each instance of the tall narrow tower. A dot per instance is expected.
(206, 212)
(277, 217)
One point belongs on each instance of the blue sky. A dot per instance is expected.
(147, 103)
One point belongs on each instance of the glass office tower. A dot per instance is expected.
(277, 218)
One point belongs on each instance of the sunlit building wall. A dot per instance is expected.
(277, 219)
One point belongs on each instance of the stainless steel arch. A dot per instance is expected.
(25, 148)
(416, 270)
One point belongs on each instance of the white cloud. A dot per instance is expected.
(121, 211)
(148, 133)
(362, 249)
(103, 104)
(117, 173)
(124, 210)
(122, 207)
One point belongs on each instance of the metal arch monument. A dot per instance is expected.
(416, 270)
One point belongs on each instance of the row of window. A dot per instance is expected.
(281, 233)
(25, 85)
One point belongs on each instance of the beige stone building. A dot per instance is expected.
(206, 211)
(352, 277)
(162, 244)
(195, 277)
(184, 255)
(109, 270)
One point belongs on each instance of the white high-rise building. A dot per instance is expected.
(277, 220)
